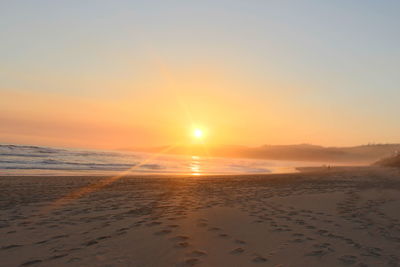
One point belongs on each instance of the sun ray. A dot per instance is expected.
(99, 185)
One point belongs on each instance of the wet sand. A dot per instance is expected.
(319, 217)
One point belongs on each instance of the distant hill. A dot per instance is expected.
(301, 152)
(393, 161)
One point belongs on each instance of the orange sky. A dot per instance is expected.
(163, 109)
(166, 109)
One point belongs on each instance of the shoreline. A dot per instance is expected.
(290, 170)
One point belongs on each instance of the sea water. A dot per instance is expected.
(40, 160)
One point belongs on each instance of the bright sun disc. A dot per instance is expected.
(197, 133)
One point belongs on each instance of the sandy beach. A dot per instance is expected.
(318, 217)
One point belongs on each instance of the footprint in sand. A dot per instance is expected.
(298, 240)
(153, 224)
(103, 237)
(73, 260)
(237, 251)
(371, 251)
(182, 245)
(191, 262)
(181, 241)
(58, 256)
(90, 243)
(348, 259)
(202, 224)
(122, 229)
(179, 238)
(30, 262)
(259, 259)
(59, 236)
(163, 232)
(197, 253)
(11, 246)
(297, 234)
(223, 235)
(316, 253)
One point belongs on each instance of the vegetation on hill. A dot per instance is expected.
(390, 162)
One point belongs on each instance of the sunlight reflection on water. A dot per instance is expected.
(195, 165)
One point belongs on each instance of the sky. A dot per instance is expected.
(115, 74)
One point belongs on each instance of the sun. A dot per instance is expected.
(198, 133)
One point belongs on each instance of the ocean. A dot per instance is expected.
(40, 160)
